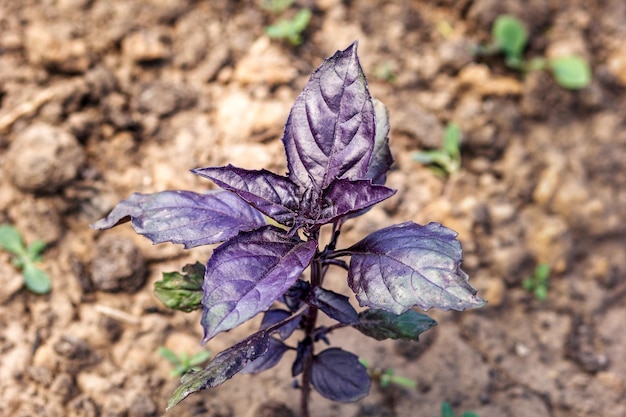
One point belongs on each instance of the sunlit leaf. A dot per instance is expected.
(185, 217)
(409, 265)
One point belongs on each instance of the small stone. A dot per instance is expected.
(43, 158)
(264, 64)
(118, 265)
(419, 123)
(501, 212)
(56, 49)
(616, 63)
(37, 219)
(142, 406)
(164, 98)
(456, 53)
(115, 405)
(63, 387)
(584, 347)
(548, 238)
(12, 281)
(146, 46)
(480, 78)
(509, 262)
(82, 406)
(273, 409)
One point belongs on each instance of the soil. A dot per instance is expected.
(99, 99)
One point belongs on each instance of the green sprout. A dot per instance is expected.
(446, 160)
(290, 29)
(510, 37)
(386, 377)
(447, 411)
(184, 363)
(538, 282)
(25, 258)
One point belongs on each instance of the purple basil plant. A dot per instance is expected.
(338, 157)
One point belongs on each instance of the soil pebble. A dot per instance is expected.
(118, 265)
(146, 46)
(56, 48)
(273, 409)
(164, 98)
(43, 158)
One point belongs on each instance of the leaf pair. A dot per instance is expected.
(35, 280)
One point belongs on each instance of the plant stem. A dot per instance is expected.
(311, 319)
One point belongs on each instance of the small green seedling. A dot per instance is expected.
(386, 377)
(447, 411)
(538, 282)
(509, 37)
(35, 280)
(290, 29)
(446, 160)
(184, 363)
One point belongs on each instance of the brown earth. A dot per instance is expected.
(99, 99)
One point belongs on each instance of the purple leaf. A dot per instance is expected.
(335, 306)
(274, 316)
(270, 359)
(381, 159)
(409, 265)
(330, 130)
(185, 217)
(271, 194)
(350, 196)
(339, 376)
(381, 324)
(248, 273)
(223, 367)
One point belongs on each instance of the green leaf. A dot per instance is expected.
(169, 355)
(430, 157)
(381, 324)
(452, 140)
(290, 29)
(11, 240)
(200, 358)
(446, 410)
(571, 72)
(182, 291)
(402, 381)
(510, 34)
(36, 280)
(542, 272)
(35, 250)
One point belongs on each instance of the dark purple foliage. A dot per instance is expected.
(339, 376)
(185, 217)
(408, 265)
(338, 158)
(248, 273)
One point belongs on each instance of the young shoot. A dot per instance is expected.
(338, 156)
(445, 161)
(538, 284)
(510, 37)
(387, 377)
(25, 258)
(447, 411)
(184, 363)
